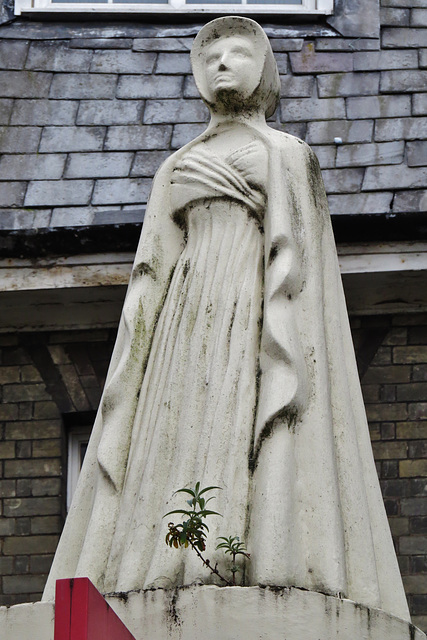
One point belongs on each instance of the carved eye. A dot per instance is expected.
(211, 59)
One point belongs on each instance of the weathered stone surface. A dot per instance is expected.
(12, 194)
(398, 128)
(147, 162)
(296, 86)
(101, 43)
(138, 137)
(376, 202)
(362, 155)
(346, 44)
(287, 44)
(380, 60)
(418, 411)
(419, 18)
(173, 111)
(109, 112)
(24, 84)
(404, 38)
(72, 216)
(31, 468)
(58, 192)
(30, 545)
(162, 44)
(389, 450)
(183, 133)
(47, 524)
(40, 564)
(190, 89)
(378, 107)
(56, 139)
(9, 412)
(417, 449)
(398, 81)
(51, 56)
(312, 109)
(150, 87)
(325, 132)
(400, 177)
(403, 3)
(386, 411)
(423, 58)
(409, 354)
(419, 104)
(47, 449)
(359, 18)
(412, 469)
(5, 110)
(282, 63)
(32, 166)
(13, 54)
(81, 86)
(7, 450)
(18, 507)
(23, 584)
(44, 112)
(342, 180)
(308, 60)
(417, 153)
(98, 165)
(173, 63)
(348, 84)
(297, 129)
(326, 156)
(387, 375)
(122, 62)
(121, 191)
(390, 17)
(19, 139)
(208, 610)
(45, 486)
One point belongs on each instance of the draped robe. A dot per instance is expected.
(314, 512)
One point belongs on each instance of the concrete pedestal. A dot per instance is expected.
(225, 613)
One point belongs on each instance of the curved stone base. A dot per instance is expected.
(225, 613)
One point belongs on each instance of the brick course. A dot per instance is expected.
(32, 453)
(400, 446)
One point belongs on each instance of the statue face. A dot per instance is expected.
(231, 68)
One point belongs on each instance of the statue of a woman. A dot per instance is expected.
(234, 366)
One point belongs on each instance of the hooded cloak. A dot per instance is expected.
(314, 512)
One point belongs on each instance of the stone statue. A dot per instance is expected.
(234, 366)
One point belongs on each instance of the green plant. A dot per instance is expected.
(234, 547)
(193, 531)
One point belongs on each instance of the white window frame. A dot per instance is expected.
(76, 437)
(308, 7)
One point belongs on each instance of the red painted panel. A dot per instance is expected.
(82, 613)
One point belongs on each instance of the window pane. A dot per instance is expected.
(213, 2)
(79, 1)
(299, 2)
(140, 1)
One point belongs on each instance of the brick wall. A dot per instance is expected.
(70, 375)
(395, 392)
(43, 378)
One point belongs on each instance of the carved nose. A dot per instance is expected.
(222, 66)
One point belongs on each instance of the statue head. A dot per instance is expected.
(234, 67)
